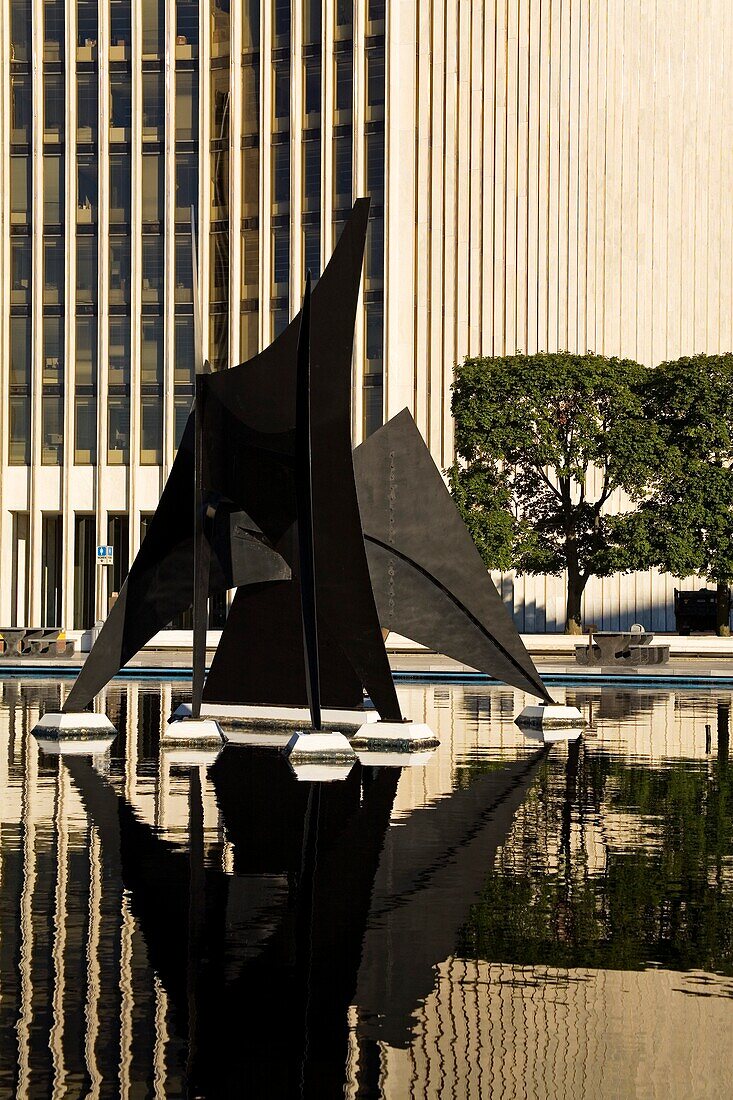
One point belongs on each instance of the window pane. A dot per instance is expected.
(187, 106)
(20, 108)
(53, 271)
(373, 404)
(20, 190)
(376, 9)
(249, 335)
(279, 322)
(187, 183)
(119, 351)
(375, 77)
(312, 251)
(183, 366)
(52, 430)
(219, 341)
(344, 13)
(312, 21)
(20, 351)
(53, 30)
(282, 18)
(86, 351)
(282, 92)
(153, 106)
(53, 351)
(86, 270)
(251, 24)
(251, 259)
(118, 431)
(20, 30)
(183, 268)
(312, 172)
(119, 271)
(85, 431)
(152, 183)
(374, 265)
(219, 103)
(86, 22)
(281, 173)
(119, 189)
(281, 257)
(53, 177)
(251, 180)
(187, 21)
(219, 267)
(375, 163)
(181, 410)
(53, 107)
(120, 106)
(19, 434)
(342, 170)
(86, 106)
(86, 192)
(151, 431)
(153, 21)
(344, 82)
(120, 26)
(251, 97)
(312, 80)
(20, 271)
(152, 269)
(151, 366)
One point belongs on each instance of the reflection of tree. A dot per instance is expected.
(663, 895)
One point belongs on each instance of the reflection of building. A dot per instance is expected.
(541, 177)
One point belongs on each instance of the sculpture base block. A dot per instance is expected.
(82, 734)
(193, 731)
(543, 716)
(321, 773)
(394, 737)
(249, 716)
(319, 747)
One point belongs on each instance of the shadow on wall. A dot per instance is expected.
(537, 603)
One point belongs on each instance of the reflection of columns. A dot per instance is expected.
(61, 829)
(91, 1009)
(26, 908)
(160, 1073)
(128, 997)
(131, 742)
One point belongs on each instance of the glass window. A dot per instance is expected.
(20, 30)
(20, 190)
(85, 430)
(312, 172)
(187, 183)
(219, 266)
(86, 107)
(374, 264)
(120, 105)
(375, 163)
(53, 351)
(53, 107)
(86, 198)
(251, 97)
(250, 180)
(281, 173)
(19, 433)
(374, 336)
(20, 351)
(183, 268)
(118, 536)
(344, 13)
(280, 321)
(118, 431)
(153, 25)
(251, 24)
(183, 365)
(119, 27)
(375, 77)
(187, 22)
(249, 335)
(187, 106)
(152, 268)
(119, 351)
(86, 270)
(342, 170)
(151, 431)
(281, 76)
(119, 189)
(219, 340)
(86, 351)
(20, 271)
(20, 108)
(53, 30)
(373, 403)
(376, 10)
(282, 19)
(344, 81)
(181, 410)
(312, 21)
(53, 189)
(52, 430)
(312, 251)
(280, 256)
(312, 81)
(86, 23)
(151, 365)
(219, 185)
(53, 271)
(119, 271)
(152, 188)
(153, 106)
(220, 28)
(250, 259)
(219, 103)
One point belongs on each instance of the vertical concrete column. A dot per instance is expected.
(358, 116)
(296, 283)
(235, 183)
(328, 16)
(203, 229)
(36, 519)
(437, 228)
(71, 205)
(169, 241)
(265, 172)
(422, 257)
(5, 517)
(133, 469)
(400, 109)
(101, 491)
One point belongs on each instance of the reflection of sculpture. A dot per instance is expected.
(266, 450)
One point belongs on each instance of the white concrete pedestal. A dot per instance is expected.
(317, 756)
(203, 732)
(82, 734)
(544, 716)
(394, 737)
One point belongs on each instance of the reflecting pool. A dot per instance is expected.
(509, 919)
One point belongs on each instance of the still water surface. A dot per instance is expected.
(509, 920)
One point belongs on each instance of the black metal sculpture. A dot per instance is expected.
(262, 497)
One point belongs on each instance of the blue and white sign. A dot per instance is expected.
(105, 555)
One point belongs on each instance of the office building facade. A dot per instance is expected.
(542, 175)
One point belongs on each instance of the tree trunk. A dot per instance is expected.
(576, 587)
(722, 610)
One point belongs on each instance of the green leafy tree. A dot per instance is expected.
(686, 526)
(543, 441)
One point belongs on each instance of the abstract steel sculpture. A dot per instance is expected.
(262, 497)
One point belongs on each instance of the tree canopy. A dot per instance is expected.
(543, 441)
